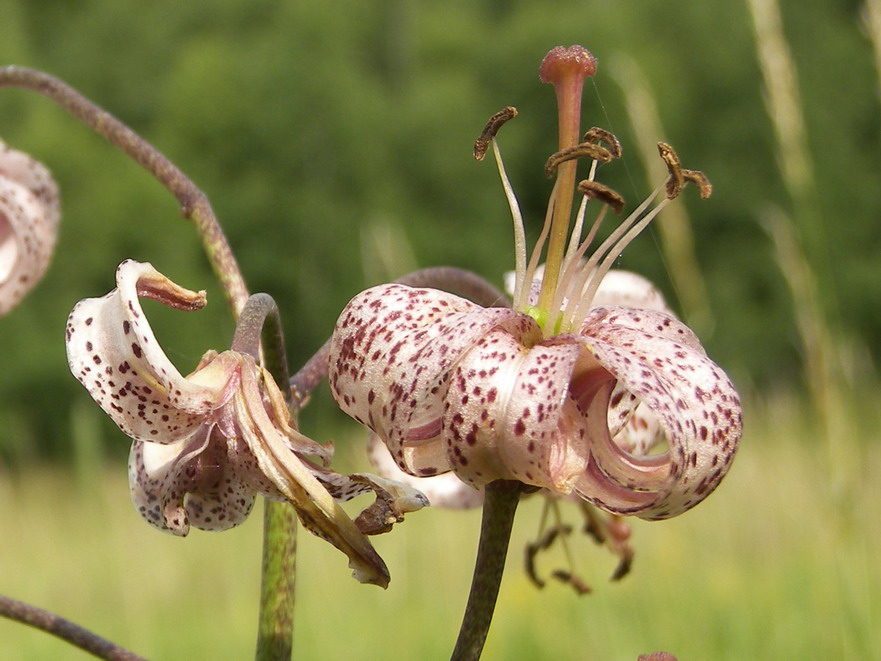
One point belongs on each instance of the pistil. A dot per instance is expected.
(565, 69)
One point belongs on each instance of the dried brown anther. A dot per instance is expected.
(675, 182)
(542, 544)
(679, 176)
(580, 587)
(594, 190)
(581, 150)
(597, 135)
(700, 180)
(481, 145)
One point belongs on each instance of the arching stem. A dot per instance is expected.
(64, 629)
(194, 203)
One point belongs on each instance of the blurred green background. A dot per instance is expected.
(334, 144)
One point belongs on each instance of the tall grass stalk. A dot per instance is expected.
(824, 372)
(872, 21)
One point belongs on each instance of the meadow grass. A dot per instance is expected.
(780, 563)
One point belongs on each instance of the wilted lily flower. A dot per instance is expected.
(540, 393)
(29, 215)
(205, 444)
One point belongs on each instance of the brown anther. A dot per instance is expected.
(597, 135)
(481, 145)
(700, 180)
(577, 583)
(594, 190)
(675, 181)
(581, 150)
(624, 564)
(542, 544)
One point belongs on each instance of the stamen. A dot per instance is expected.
(612, 248)
(679, 176)
(598, 135)
(575, 274)
(491, 129)
(522, 302)
(575, 237)
(700, 180)
(520, 280)
(581, 150)
(675, 182)
(594, 190)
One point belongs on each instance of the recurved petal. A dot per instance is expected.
(316, 508)
(658, 359)
(112, 351)
(391, 355)
(29, 214)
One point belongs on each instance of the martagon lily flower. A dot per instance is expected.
(29, 214)
(544, 392)
(204, 445)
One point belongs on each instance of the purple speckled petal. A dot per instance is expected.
(188, 483)
(658, 359)
(392, 351)
(29, 215)
(508, 417)
(112, 351)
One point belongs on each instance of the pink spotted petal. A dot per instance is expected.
(392, 351)
(112, 351)
(29, 215)
(506, 412)
(642, 431)
(658, 359)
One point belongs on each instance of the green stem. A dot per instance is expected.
(275, 629)
(194, 203)
(500, 503)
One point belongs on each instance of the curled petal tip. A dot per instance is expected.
(561, 62)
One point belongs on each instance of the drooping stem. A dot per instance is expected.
(64, 629)
(260, 320)
(449, 278)
(194, 203)
(499, 505)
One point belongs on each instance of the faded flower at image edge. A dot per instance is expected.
(29, 215)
